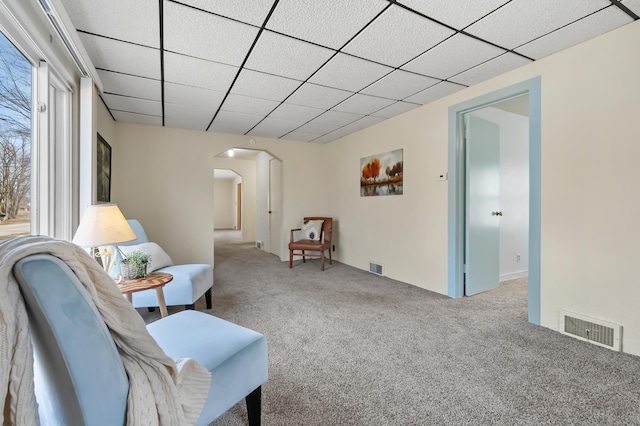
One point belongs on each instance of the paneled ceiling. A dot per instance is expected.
(315, 70)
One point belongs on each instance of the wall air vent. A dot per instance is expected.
(259, 244)
(376, 268)
(599, 332)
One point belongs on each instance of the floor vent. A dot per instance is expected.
(376, 268)
(599, 332)
(259, 244)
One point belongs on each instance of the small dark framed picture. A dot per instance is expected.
(103, 170)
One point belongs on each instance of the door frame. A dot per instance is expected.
(457, 174)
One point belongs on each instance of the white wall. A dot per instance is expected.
(247, 170)
(590, 102)
(224, 208)
(514, 190)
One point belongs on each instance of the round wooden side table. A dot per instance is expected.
(154, 280)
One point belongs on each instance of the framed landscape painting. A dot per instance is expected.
(381, 174)
(103, 170)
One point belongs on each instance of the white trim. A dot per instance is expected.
(514, 275)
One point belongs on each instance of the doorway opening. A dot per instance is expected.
(463, 256)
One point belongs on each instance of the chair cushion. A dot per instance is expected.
(189, 283)
(311, 229)
(235, 356)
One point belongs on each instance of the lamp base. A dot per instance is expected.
(107, 256)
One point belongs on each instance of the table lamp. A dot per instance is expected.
(103, 226)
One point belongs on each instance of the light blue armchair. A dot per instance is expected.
(79, 375)
(190, 281)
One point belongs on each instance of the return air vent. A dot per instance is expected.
(376, 268)
(599, 332)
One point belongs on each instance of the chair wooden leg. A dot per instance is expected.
(330, 260)
(254, 406)
(303, 258)
(290, 259)
(207, 298)
(322, 260)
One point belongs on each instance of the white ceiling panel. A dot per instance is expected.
(395, 109)
(248, 105)
(399, 84)
(187, 117)
(315, 96)
(349, 73)
(452, 56)
(124, 84)
(234, 122)
(297, 113)
(329, 120)
(274, 127)
(363, 104)
(129, 117)
(340, 19)
(492, 68)
(391, 39)
(204, 99)
(118, 56)
(253, 12)
(120, 19)
(264, 86)
(136, 105)
(286, 56)
(589, 27)
(457, 14)
(633, 5)
(349, 128)
(521, 21)
(297, 135)
(206, 36)
(438, 91)
(191, 71)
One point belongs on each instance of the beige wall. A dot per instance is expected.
(247, 170)
(590, 146)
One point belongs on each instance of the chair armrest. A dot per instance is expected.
(326, 232)
(292, 231)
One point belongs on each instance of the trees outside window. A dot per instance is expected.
(15, 140)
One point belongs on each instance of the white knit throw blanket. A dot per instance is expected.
(161, 392)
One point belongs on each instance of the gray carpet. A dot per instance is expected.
(349, 348)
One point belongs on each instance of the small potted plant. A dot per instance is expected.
(135, 265)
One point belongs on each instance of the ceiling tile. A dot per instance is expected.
(184, 33)
(349, 128)
(124, 84)
(315, 96)
(584, 29)
(120, 19)
(253, 12)
(118, 56)
(391, 39)
(136, 105)
(204, 99)
(249, 105)
(286, 56)
(274, 127)
(234, 122)
(521, 21)
(264, 86)
(457, 14)
(452, 56)
(363, 104)
(191, 71)
(395, 109)
(187, 117)
(349, 73)
(341, 19)
(297, 135)
(634, 5)
(492, 68)
(328, 121)
(399, 84)
(129, 117)
(438, 91)
(298, 113)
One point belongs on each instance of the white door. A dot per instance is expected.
(482, 240)
(275, 207)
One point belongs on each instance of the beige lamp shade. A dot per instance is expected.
(103, 225)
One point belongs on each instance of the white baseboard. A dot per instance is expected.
(514, 275)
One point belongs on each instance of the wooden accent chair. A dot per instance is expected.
(302, 246)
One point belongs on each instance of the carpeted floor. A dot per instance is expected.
(349, 348)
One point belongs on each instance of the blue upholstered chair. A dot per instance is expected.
(190, 281)
(79, 376)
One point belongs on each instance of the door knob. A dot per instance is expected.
(496, 213)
